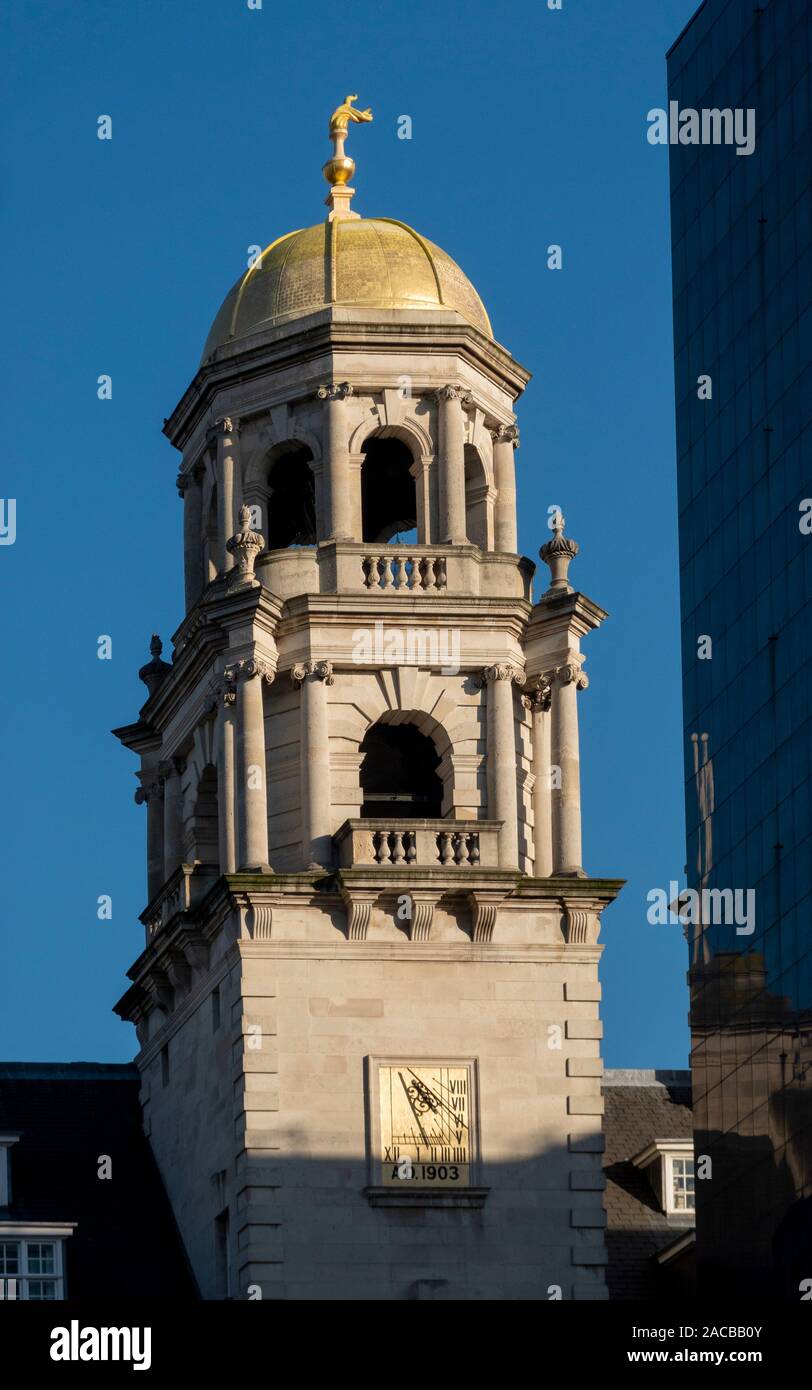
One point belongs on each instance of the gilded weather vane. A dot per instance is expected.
(339, 170)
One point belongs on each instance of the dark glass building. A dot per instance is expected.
(742, 278)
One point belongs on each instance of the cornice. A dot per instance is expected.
(188, 935)
(337, 330)
(188, 670)
(140, 736)
(466, 950)
(567, 611)
(202, 636)
(440, 607)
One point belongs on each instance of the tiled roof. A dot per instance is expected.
(641, 1106)
(125, 1241)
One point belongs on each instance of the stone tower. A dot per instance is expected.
(367, 1004)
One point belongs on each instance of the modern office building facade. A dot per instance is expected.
(742, 281)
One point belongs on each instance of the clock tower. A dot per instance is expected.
(367, 1004)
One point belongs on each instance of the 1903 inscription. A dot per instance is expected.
(425, 1125)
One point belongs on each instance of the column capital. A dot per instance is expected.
(313, 670)
(150, 790)
(570, 672)
(452, 392)
(505, 434)
(537, 695)
(170, 767)
(225, 426)
(222, 694)
(502, 671)
(246, 669)
(335, 391)
(190, 477)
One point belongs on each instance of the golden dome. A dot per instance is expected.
(372, 262)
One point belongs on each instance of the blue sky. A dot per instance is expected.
(529, 128)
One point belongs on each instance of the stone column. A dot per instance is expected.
(537, 700)
(337, 461)
(170, 772)
(225, 707)
(501, 755)
(452, 463)
(505, 440)
(191, 490)
(150, 793)
(228, 488)
(250, 773)
(421, 472)
(566, 798)
(356, 521)
(312, 678)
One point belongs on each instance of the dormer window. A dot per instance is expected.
(680, 1185)
(32, 1263)
(6, 1142)
(669, 1166)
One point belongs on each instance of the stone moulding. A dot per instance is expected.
(180, 948)
(470, 1197)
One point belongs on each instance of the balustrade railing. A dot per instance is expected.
(405, 570)
(182, 891)
(424, 844)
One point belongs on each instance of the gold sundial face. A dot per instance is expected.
(425, 1136)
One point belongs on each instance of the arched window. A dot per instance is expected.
(388, 494)
(290, 517)
(399, 773)
(476, 499)
(206, 824)
(210, 539)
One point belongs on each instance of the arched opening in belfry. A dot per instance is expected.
(388, 493)
(399, 774)
(210, 539)
(477, 528)
(290, 511)
(205, 821)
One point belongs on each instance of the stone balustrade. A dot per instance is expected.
(341, 566)
(424, 844)
(405, 569)
(187, 887)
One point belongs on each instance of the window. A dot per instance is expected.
(388, 494)
(206, 819)
(215, 1009)
(31, 1270)
(399, 773)
(681, 1185)
(6, 1141)
(669, 1166)
(291, 498)
(165, 1065)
